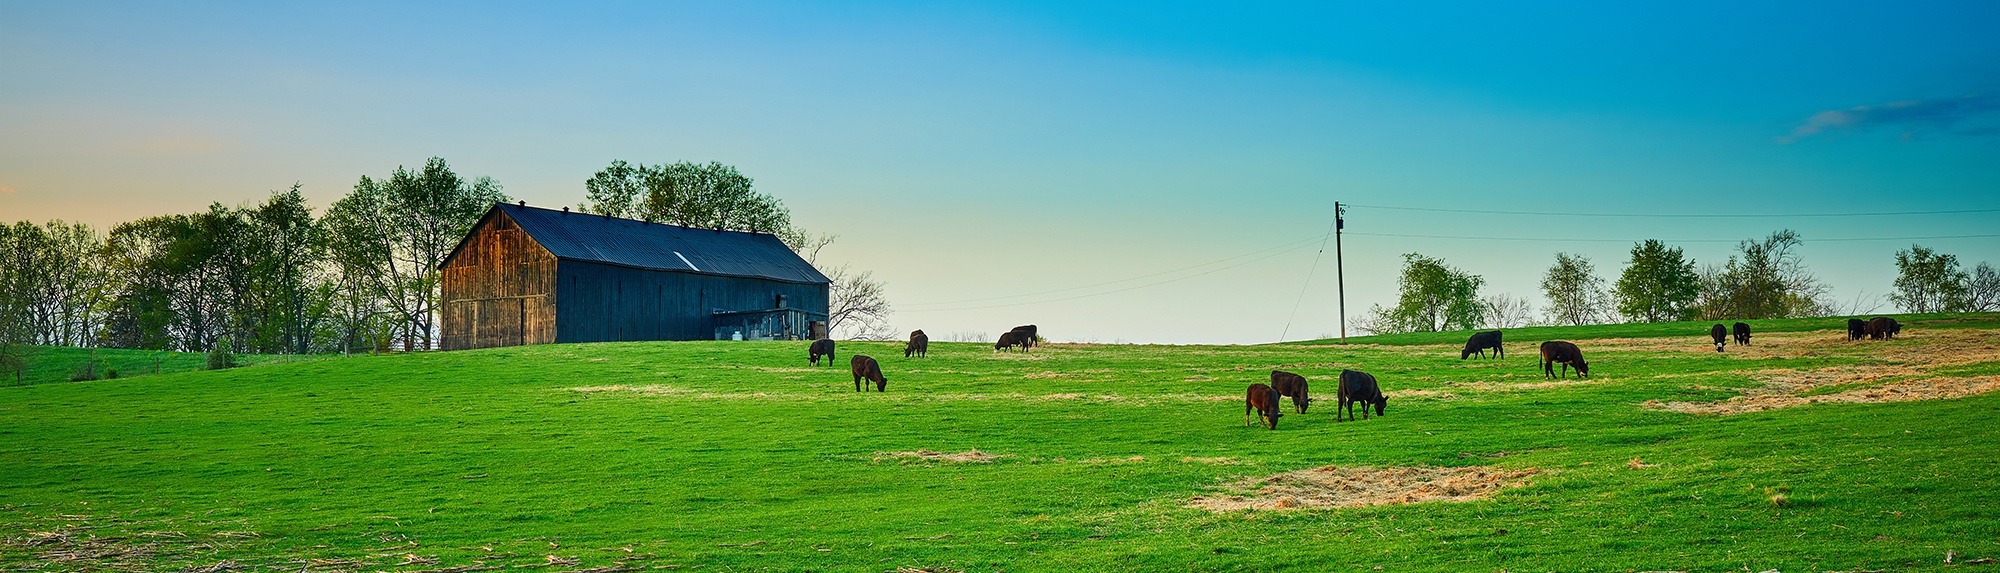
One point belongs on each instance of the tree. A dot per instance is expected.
(1982, 289)
(859, 309)
(1504, 310)
(397, 231)
(1575, 293)
(1928, 281)
(712, 196)
(1765, 279)
(1658, 285)
(1434, 297)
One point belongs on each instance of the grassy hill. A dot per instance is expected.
(48, 364)
(1801, 452)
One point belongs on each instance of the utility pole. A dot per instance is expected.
(1339, 271)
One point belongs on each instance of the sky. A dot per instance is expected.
(1127, 172)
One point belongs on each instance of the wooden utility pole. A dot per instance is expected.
(1339, 271)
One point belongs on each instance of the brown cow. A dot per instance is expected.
(1879, 328)
(821, 347)
(1558, 352)
(1264, 401)
(1720, 334)
(1293, 385)
(865, 368)
(919, 344)
(1010, 339)
(1358, 387)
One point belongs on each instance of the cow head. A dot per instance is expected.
(1380, 405)
(1582, 368)
(1272, 416)
(882, 385)
(1464, 353)
(1719, 345)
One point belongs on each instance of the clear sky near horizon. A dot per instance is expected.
(1143, 172)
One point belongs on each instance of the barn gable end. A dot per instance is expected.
(498, 288)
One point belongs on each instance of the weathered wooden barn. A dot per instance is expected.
(527, 275)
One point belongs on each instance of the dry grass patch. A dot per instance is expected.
(967, 457)
(1906, 379)
(1362, 486)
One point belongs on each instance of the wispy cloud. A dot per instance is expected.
(1949, 116)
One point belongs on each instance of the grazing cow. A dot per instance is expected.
(1359, 387)
(1481, 341)
(1010, 339)
(919, 344)
(1264, 401)
(1856, 328)
(821, 347)
(1029, 335)
(1720, 334)
(865, 368)
(1895, 328)
(1742, 332)
(1879, 327)
(1289, 384)
(1558, 352)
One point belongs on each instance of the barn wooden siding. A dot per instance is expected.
(604, 303)
(499, 289)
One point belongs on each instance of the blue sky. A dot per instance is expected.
(971, 151)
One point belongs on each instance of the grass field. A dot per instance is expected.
(1801, 452)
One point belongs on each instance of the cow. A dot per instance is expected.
(865, 368)
(1293, 385)
(1030, 337)
(1358, 387)
(1560, 352)
(1264, 401)
(1856, 328)
(821, 347)
(1742, 332)
(1481, 341)
(1011, 339)
(1879, 327)
(919, 344)
(1720, 334)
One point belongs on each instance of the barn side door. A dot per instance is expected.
(500, 322)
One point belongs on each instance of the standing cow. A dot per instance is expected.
(1010, 339)
(1358, 387)
(866, 368)
(1480, 341)
(821, 347)
(919, 344)
(1293, 385)
(1559, 352)
(1263, 401)
(1856, 328)
(1742, 332)
(1881, 327)
(1720, 334)
(1030, 336)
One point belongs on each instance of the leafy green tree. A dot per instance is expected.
(712, 196)
(1929, 281)
(396, 231)
(1658, 285)
(1575, 293)
(1765, 279)
(1435, 297)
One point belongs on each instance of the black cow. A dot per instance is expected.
(1293, 385)
(821, 347)
(1030, 335)
(1481, 341)
(1742, 332)
(1879, 328)
(1011, 339)
(1856, 328)
(1264, 401)
(919, 344)
(865, 368)
(1358, 387)
(1895, 328)
(1720, 334)
(1560, 352)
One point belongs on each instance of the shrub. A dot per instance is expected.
(110, 373)
(221, 358)
(84, 373)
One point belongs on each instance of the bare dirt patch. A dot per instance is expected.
(1362, 486)
(1910, 375)
(967, 457)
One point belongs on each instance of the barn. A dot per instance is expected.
(527, 275)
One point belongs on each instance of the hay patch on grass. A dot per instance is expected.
(966, 457)
(1909, 376)
(1899, 391)
(1044, 375)
(1363, 486)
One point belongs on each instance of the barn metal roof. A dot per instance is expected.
(659, 246)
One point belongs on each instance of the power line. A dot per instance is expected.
(1577, 240)
(1292, 245)
(1681, 215)
(1330, 228)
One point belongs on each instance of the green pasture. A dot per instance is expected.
(738, 456)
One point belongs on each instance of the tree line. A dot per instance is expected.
(1764, 278)
(274, 278)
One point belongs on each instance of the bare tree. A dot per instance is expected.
(859, 309)
(1863, 303)
(966, 336)
(1504, 310)
(1983, 289)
